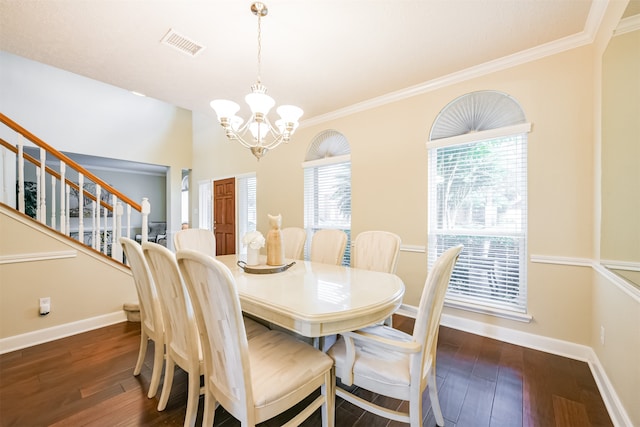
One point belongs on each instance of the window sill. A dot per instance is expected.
(491, 311)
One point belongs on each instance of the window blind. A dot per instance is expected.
(247, 211)
(478, 198)
(327, 200)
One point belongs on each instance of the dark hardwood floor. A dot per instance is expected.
(87, 380)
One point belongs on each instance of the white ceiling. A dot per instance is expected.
(322, 55)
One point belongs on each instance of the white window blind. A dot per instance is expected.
(205, 205)
(478, 198)
(327, 199)
(246, 207)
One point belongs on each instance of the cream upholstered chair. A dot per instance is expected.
(294, 239)
(256, 379)
(391, 363)
(151, 322)
(181, 333)
(377, 251)
(328, 246)
(198, 239)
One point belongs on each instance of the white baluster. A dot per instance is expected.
(114, 223)
(8, 177)
(97, 212)
(128, 221)
(20, 174)
(116, 249)
(145, 210)
(38, 188)
(94, 231)
(42, 187)
(53, 201)
(63, 204)
(105, 232)
(81, 207)
(67, 192)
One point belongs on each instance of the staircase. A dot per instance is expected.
(56, 191)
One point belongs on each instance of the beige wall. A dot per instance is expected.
(621, 149)
(619, 314)
(80, 288)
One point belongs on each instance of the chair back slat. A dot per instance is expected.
(294, 239)
(150, 310)
(198, 239)
(328, 246)
(177, 311)
(425, 330)
(376, 250)
(218, 314)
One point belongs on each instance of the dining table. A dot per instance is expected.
(314, 299)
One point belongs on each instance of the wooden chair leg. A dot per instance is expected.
(209, 410)
(433, 396)
(193, 397)
(158, 356)
(169, 369)
(144, 341)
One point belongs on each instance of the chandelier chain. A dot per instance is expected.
(257, 133)
(259, 48)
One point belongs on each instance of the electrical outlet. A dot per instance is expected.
(45, 306)
(601, 334)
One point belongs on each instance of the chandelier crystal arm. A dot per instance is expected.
(258, 134)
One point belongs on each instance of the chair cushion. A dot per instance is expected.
(374, 363)
(281, 364)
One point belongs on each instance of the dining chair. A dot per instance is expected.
(392, 363)
(254, 380)
(181, 332)
(328, 246)
(294, 239)
(151, 321)
(377, 251)
(199, 239)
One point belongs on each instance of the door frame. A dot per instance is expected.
(239, 247)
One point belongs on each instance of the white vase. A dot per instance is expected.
(253, 256)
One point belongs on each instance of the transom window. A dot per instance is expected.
(478, 198)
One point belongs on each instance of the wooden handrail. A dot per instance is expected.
(56, 174)
(60, 156)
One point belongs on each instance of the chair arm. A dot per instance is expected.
(370, 340)
(382, 342)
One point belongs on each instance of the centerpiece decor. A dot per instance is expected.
(275, 247)
(253, 240)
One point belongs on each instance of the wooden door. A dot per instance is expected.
(224, 215)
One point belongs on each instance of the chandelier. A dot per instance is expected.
(257, 134)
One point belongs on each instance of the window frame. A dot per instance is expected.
(515, 311)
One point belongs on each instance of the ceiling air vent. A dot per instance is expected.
(181, 43)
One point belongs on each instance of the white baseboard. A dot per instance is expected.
(29, 339)
(618, 415)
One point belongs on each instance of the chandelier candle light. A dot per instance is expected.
(257, 134)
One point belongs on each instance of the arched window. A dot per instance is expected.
(478, 197)
(327, 186)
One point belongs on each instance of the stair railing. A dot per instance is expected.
(74, 192)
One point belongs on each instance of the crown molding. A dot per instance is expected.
(628, 25)
(587, 36)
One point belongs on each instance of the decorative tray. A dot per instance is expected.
(264, 269)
